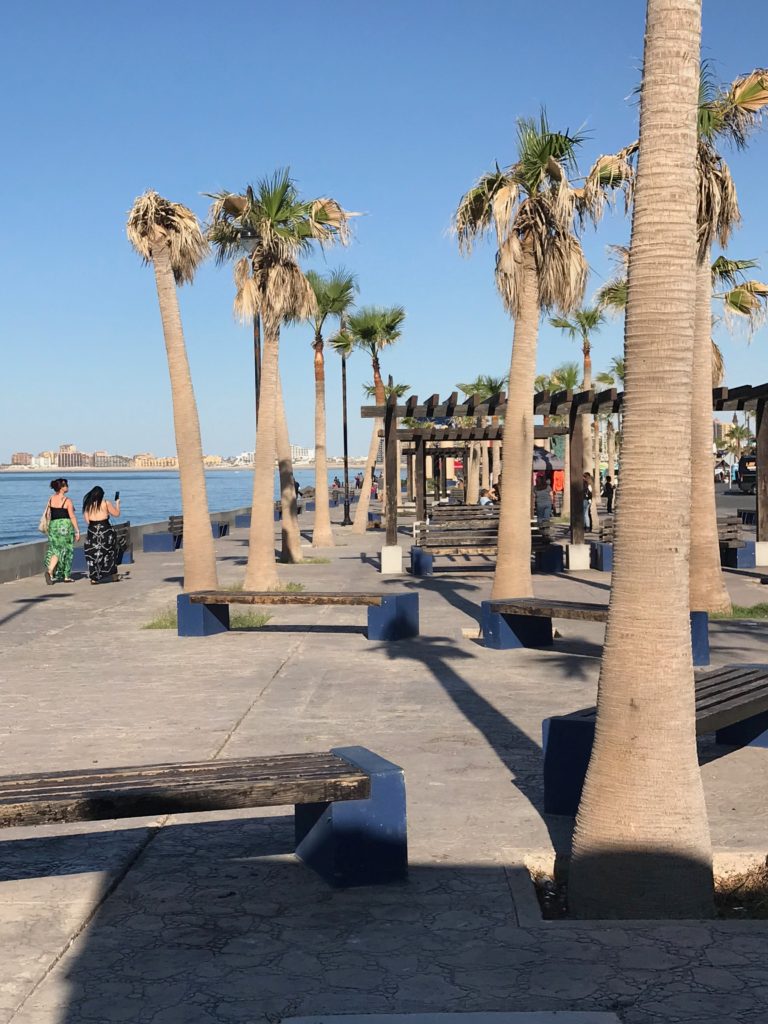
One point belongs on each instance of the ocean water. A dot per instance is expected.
(144, 497)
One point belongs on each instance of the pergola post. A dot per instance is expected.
(409, 477)
(420, 460)
(761, 487)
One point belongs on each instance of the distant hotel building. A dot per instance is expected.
(103, 460)
(301, 454)
(21, 459)
(146, 460)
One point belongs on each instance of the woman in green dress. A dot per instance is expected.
(63, 531)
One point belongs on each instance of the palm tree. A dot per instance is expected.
(478, 470)
(608, 379)
(168, 236)
(283, 227)
(531, 206)
(565, 377)
(334, 295)
(641, 845)
(580, 326)
(371, 329)
(737, 436)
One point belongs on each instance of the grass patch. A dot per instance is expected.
(744, 611)
(315, 560)
(163, 620)
(743, 894)
(249, 620)
(288, 588)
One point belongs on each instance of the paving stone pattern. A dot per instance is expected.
(207, 919)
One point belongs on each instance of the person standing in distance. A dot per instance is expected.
(63, 531)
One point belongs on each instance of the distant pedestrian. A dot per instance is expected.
(588, 502)
(358, 481)
(608, 489)
(543, 501)
(102, 549)
(337, 483)
(485, 497)
(296, 487)
(62, 531)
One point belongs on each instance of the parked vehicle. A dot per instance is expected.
(746, 476)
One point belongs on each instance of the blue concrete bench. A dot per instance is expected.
(390, 616)
(735, 552)
(174, 538)
(349, 804)
(527, 622)
(748, 516)
(732, 702)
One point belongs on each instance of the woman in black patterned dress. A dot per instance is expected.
(102, 550)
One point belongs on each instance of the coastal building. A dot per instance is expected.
(212, 460)
(45, 460)
(103, 460)
(146, 460)
(244, 459)
(21, 459)
(299, 453)
(73, 460)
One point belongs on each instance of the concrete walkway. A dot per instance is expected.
(207, 919)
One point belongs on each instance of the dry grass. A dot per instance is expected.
(743, 894)
(744, 611)
(167, 619)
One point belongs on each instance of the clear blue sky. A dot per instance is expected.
(394, 108)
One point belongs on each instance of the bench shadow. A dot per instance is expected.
(215, 921)
(302, 628)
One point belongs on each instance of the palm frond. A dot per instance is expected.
(728, 272)
(489, 203)
(566, 377)
(718, 365)
(484, 385)
(718, 206)
(153, 220)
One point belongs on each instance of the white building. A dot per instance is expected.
(301, 454)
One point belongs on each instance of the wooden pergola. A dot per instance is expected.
(569, 405)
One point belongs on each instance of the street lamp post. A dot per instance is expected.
(346, 521)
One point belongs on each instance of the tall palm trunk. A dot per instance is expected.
(708, 590)
(261, 571)
(641, 846)
(595, 471)
(290, 535)
(360, 522)
(322, 537)
(610, 438)
(199, 553)
(472, 475)
(485, 477)
(513, 561)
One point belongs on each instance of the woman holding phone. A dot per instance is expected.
(102, 550)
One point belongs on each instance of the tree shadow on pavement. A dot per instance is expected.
(520, 754)
(27, 604)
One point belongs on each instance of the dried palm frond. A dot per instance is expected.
(613, 295)
(718, 206)
(154, 220)
(609, 175)
(509, 270)
(489, 203)
(563, 272)
(718, 365)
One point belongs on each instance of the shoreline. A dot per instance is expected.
(37, 471)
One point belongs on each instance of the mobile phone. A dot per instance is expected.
(117, 495)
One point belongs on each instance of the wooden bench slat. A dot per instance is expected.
(123, 793)
(282, 597)
(275, 762)
(583, 610)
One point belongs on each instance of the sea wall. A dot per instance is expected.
(21, 560)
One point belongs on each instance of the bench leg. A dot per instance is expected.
(700, 638)
(396, 619)
(752, 731)
(358, 842)
(601, 556)
(506, 632)
(126, 556)
(550, 559)
(567, 745)
(159, 542)
(200, 619)
(421, 562)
